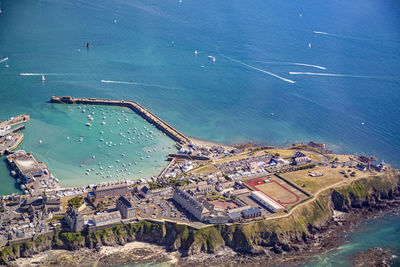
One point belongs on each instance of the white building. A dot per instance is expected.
(266, 201)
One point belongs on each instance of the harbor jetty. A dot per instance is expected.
(9, 138)
(15, 120)
(10, 142)
(136, 107)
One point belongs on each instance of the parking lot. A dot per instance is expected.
(159, 208)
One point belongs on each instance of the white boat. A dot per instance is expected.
(88, 124)
(43, 78)
(4, 130)
(195, 52)
(309, 45)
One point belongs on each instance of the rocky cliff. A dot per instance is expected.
(289, 234)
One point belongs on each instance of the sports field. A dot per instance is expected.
(276, 189)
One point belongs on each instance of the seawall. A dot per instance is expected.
(136, 107)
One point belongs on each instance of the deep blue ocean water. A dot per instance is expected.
(261, 87)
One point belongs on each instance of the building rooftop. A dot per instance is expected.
(299, 154)
(125, 201)
(193, 202)
(26, 163)
(234, 215)
(250, 211)
(111, 185)
(267, 199)
(101, 217)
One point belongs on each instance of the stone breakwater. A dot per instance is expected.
(136, 107)
(311, 229)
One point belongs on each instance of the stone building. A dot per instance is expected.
(105, 218)
(125, 207)
(74, 220)
(111, 189)
(189, 203)
(300, 158)
(44, 203)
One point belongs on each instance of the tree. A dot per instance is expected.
(76, 201)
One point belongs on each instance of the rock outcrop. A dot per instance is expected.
(268, 238)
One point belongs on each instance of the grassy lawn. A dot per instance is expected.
(283, 153)
(64, 201)
(205, 169)
(341, 158)
(290, 153)
(313, 184)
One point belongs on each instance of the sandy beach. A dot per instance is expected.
(208, 144)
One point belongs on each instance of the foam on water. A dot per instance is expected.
(258, 69)
(337, 75)
(293, 63)
(318, 32)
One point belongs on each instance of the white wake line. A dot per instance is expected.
(333, 75)
(260, 70)
(317, 32)
(48, 73)
(293, 63)
(141, 84)
(4, 59)
(39, 74)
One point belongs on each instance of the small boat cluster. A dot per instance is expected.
(113, 145)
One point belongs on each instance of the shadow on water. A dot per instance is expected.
(16, 185)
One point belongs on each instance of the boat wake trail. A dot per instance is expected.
(258, 69)
(140, 84)
(293, 63)
(324, 33)
(47, 74)
(40, 74)
(335, 75)
(4, 59)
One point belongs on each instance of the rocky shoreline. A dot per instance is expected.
(324, 239)
(131, 253)
(377, 257)
(315, 228)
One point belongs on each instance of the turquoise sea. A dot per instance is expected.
(284, 71)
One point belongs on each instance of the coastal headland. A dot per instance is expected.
(313, 228)
(210, 205)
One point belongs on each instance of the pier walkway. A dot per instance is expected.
(15, 120)
(147, 115)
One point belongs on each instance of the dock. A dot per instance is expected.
(15, 120)
(17, 129)
(32, 176)
(10, 142)
(136, 107)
